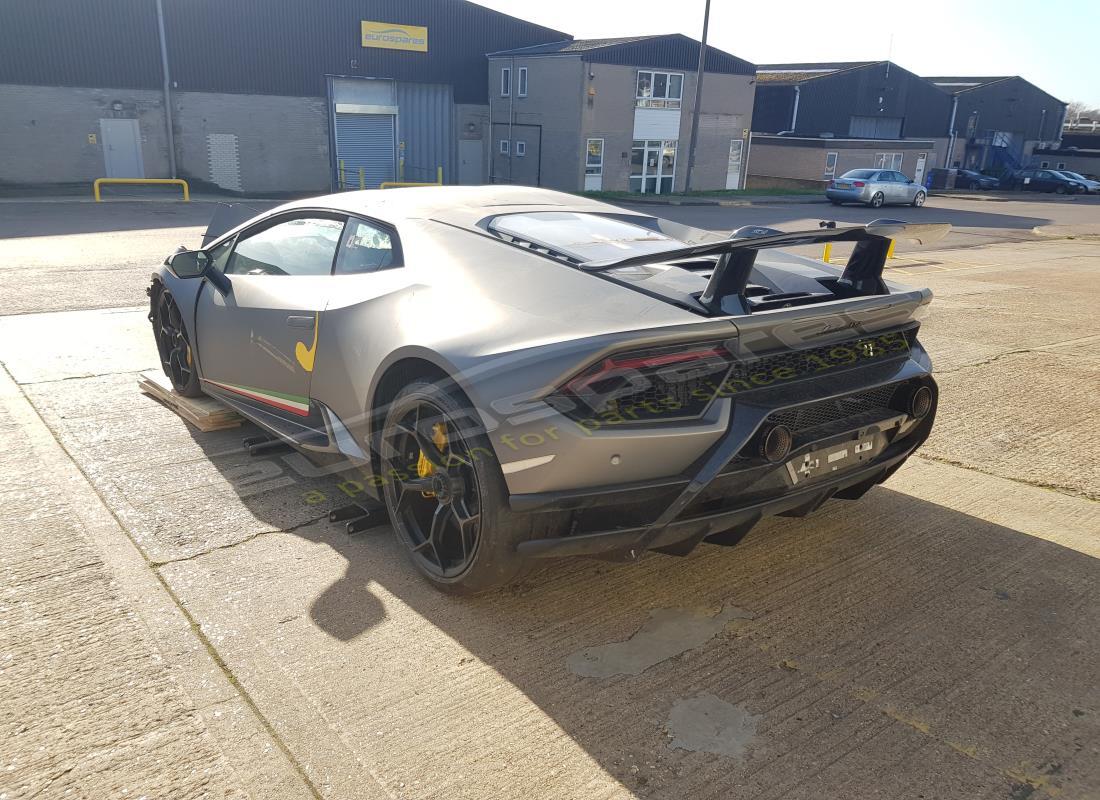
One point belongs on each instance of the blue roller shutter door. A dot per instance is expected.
(366, 141)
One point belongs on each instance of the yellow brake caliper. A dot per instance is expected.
(424, 467)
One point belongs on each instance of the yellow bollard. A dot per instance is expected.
(890, 251)
(828, 252)
(343, 176)
(439, 175)
(362, 185)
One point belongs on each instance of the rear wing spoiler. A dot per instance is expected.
(737, 255)
(227, 216)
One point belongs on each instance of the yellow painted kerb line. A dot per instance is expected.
(178, 181)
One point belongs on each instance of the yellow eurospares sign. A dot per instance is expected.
(395, 37)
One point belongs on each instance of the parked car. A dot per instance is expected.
(1091, 186)
(519, 374)
(969, 179)
(875, 188)
(1045, 180)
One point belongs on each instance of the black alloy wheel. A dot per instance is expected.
(438, 494)
(174, 347)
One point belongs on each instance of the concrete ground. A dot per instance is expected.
(180, 620)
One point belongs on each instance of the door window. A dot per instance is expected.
(593, 164)
(219, 256)
(300, 246)
(366, 248)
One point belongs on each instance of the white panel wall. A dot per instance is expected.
(656, 123)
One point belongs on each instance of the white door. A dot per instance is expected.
(593, 165)
(918, 171)
(733, 168)
(470, 169)
(122, 148)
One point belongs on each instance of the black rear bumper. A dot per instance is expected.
(720, 500)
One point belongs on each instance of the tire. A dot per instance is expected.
(975, 185)
(470, 557)
(877, 200)
(918, 200)
(1059, 189)
(835, 202)
(173, 344)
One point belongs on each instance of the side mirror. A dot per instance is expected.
(188, 263)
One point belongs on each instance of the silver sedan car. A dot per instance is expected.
(875, 188)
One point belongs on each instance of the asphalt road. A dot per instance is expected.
(974, 222)
(68, 255)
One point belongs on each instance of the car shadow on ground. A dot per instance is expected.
(869, 633)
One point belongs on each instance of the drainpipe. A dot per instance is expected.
(167, 91)
(513, 87)
(794, 110)
(951, 130)
(1042, 124)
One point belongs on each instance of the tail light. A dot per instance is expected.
(645, 386)
(859, 184)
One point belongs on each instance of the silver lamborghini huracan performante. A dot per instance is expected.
(519, 374)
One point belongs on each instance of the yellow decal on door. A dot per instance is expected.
(306, 355)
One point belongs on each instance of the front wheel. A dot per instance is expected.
(877, 200)
(446, 494)
(918, 201)
(1060, 189)
(176, 357)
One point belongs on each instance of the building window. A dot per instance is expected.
(521, 147)
(505, 81)
(888, 160)
(1044, 163)
(1061, 165)
(504, 149)
(830, 165)
(593, 160)
(659, 89)
(521, 89)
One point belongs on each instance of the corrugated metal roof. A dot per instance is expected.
(789, 74)
(672, 51)
(570, 46)
(954, 85)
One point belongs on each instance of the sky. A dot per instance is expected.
(1054, 44)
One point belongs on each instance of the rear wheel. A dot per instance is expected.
(446, 494)
(835, 202)
(176, 357)
(918, 201)
(1060, 189)
(877, 200)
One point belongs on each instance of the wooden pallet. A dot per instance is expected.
(205, 413)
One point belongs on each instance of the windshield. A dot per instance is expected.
(1073, 175)
(582, 237)
(859, 173)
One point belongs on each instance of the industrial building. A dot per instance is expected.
(813, 121)
(252, 96)
(615, 114)
(1000, 122)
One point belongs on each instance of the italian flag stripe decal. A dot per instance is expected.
(286, 402)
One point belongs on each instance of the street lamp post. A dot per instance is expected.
(699, 71)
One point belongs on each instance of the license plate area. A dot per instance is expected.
(835, 458)
(844, 186)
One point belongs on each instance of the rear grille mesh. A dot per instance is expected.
(815, 415)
